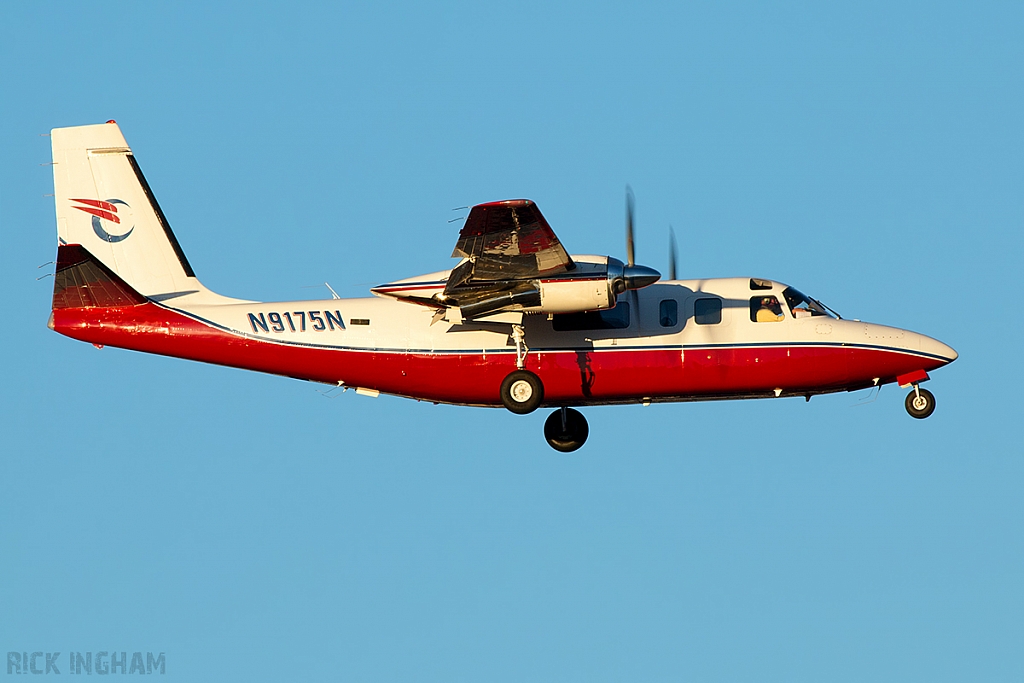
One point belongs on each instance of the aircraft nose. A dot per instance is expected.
(936, 348)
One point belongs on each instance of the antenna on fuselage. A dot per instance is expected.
(334, 295)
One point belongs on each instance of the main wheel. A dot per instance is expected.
(521, 392)
(920, 403)
(567, 436)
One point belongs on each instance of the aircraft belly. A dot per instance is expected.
(701, 371)
(584, 374)
(741, 369)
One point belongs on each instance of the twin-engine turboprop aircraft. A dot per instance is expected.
(518, 322)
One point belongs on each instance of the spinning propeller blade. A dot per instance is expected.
(633, 276)
(671, 253)
(629, 227)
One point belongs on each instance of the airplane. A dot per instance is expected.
(518, 322)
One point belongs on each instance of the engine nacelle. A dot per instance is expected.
(594, 284)
(595, 290)
(575, 295)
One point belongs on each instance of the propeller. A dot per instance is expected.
(629, 227)
(671, 253)
(630, 276)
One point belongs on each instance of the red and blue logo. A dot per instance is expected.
(114, 211)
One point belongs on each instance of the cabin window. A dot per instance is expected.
(707, 311)
(611, 319)
(668, 313)
(756, 284)
(765, 309)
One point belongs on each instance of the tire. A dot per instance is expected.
(522, 392)
(572, 437)
(920, 406)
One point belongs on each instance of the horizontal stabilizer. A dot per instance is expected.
(81, 281)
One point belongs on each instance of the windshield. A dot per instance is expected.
(803, 306)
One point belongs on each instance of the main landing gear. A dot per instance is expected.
(920, 403)
(522, 392)
(566, 430)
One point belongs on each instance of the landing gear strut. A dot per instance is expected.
(519, 337)
(920, 403)
(566, 430)
(521, 391)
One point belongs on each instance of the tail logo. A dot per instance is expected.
(114, 211)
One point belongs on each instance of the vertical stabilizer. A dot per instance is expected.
(105, 204)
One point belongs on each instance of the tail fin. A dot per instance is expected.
(105, 205)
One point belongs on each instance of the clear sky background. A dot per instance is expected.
(253, 529)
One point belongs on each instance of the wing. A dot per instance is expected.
(508, 247)
(509, 240)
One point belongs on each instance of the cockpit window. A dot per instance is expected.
(802, 306)
(766, 309)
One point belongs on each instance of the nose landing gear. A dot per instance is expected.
(566, 430)
(920, 403)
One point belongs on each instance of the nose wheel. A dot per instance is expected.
(566, 430)
(920, 403)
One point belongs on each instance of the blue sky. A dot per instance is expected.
(253, 529)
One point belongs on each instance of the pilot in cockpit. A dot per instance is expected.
(770, 310)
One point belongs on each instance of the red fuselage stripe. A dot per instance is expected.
(570, 376)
